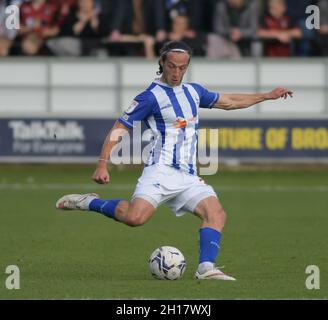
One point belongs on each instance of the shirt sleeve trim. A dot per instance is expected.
(216, 98)
(126, 123)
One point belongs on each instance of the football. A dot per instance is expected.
(167, 263)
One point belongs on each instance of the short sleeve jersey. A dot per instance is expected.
(172, 115)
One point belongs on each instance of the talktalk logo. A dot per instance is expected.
(46, 130)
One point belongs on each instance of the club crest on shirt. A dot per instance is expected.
(132, 106)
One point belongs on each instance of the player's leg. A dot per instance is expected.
(212, 214)
(213, 219)
(145, 199)
(200, 199)
(134, 213)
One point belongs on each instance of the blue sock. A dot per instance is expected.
(105, 207)
(209, 242)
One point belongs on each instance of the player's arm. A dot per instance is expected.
(115, 135)
(240, 101)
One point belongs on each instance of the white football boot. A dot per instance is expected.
(215, 274)
(76, 201)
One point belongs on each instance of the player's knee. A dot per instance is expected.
(217, 218)
(136, 220)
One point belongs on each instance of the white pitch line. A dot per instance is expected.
(131, 187)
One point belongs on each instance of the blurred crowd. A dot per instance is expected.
(214, 28)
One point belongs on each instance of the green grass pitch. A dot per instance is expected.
(277, 226)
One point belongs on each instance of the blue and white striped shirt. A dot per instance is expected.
(172, 115)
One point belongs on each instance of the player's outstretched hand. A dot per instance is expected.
(101, 175)
(280, 93)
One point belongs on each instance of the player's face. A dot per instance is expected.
(174, 68)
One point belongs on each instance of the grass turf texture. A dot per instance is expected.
(277, 226)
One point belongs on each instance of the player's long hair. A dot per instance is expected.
(173, 46)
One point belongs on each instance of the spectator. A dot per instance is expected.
(80, 31)
(83, 21)
(176, 7)
(296, 9)
(137, 22)
(236, 22)
(65, 8)
(138, 17)
(38, 23)
(5, 45)
(194, 9)
(40, 17)
(154, 16)
(278, 30)
(217, 28)
(32, 44)
(180, 31)
(204, 11)
(322, 33)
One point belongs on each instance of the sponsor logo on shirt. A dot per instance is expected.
(182, 123)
